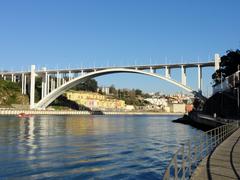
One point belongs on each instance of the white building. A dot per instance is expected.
(105, 90)
(129, 107)
(157, 101)
(177, 108)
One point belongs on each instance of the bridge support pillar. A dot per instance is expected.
(48, 84)
(32, 87)
(217, 61)
(22, 80)
(52, 83)
(167, 72)
(12, 77)
(24, 83)
(199, 78)
(183, 75)
(57, 79)
(44, 83)
(69, 75)
(152, 70)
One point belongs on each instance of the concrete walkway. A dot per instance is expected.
(223, 163)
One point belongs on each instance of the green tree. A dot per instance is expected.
(138, 92)
(112, 90)
(88, 85)
(230, 62)
(229, 65)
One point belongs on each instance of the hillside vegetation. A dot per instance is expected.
(10, 93)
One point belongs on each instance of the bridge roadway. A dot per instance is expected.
(223, 163)
(138, 67)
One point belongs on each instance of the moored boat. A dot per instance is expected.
(24, 115)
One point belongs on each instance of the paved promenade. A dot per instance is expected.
(223, 163)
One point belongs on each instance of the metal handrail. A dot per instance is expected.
(189, 155)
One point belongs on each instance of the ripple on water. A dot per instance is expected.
(89, 147)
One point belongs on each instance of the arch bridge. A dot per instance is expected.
(56, 82)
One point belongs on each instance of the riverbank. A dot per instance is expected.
(186, 119)
(203, 121)
(66, 112)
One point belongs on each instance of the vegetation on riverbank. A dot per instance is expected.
(130, 96)
(229, 64)
(10, 93)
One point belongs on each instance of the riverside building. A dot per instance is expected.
(95, 101)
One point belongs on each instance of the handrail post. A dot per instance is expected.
(167, 174)
(225, 131)
(211, 141)
(206, 143)
(201, 147)
(189, 157)
(214, 139)
(175, 167)
(229, 129)
(221, 134)
(183, 164)
(195, 155)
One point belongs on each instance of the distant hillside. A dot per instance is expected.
(10, 93)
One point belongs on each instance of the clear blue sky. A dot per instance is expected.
(57, 33)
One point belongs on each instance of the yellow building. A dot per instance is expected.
(95, 101)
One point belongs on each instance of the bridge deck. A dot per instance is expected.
(223, 163)
(139, 67)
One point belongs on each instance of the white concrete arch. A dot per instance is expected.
(43, 103)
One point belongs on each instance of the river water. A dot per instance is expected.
(89, 147)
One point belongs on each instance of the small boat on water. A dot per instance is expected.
(24, 115)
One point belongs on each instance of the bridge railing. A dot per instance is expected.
(189, 155)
